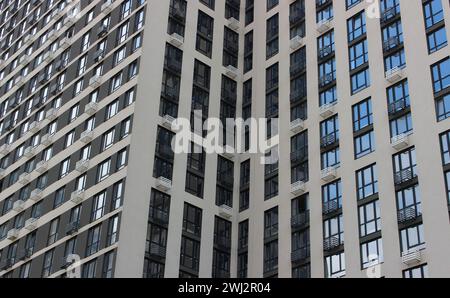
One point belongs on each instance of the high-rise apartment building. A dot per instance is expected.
(88, 177)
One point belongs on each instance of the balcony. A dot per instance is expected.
(328, 110)
(297, 67)
(95, 81)
(404, 176)
(395, 74)
(12, 234)
(47, 140)
(412, 257)
(77, 197)
(298, 188)
(72, 228)
(299, 155)
(231, 71)
(48, 57)
(400, 142)
(226, 211)
(5, 149)
(326, 80)
(24, 178)
(102, 30)
(29, 152)
(389, 14)
(233, 24)
(300, 220)
(31, 224)
(69, 21)
(20, 81)
(300, 255)
(51, 114)
(297, 125)
(34, 127)
(91, 108)
(329, 174)
(408, 214)
(42, 167)
(157, 250)
(397, 106)
(82, 166)
(297, 42)
(107, 7)
(330, 207)
(328, 140)
(325, 51)
(28, 40)
(176, 40)
(323, 26)
(18, 205)
(65, 43)
(87, 136)
(26, 253)
(391, 43)
(52, 35)
(36, 195)
(24, 60)
(158, 215)
(168, 121)
(331, 243)
(297, 95)
(163, 184)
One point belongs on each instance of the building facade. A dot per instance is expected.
(90, 185)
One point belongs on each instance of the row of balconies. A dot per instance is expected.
(36, 126)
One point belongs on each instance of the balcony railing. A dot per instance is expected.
(157, 250)
(328, 140)
(300, 255)
(300, 220)
(388, 14)
(408, 214)
(325, 51)
(397, 106)
(331, 243)
(159, 215)
(404, 176)
(330, 207)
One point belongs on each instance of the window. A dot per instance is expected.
(417, 272)
(113, 230)
(369, 218)
(108, 139)
(93, 241)
(412, 238)
(108, 265)
(271, 223)
(59, 197)
(103, 170)
(367, 182)
(98, 206)
(371, 253)
(445, 147)
(89, 269)
(192, 220)
(64, 168)
(48, 262)
(272, 37)
(356, 26)
(362, 115)
(364, 144)
(335, 265)
(441, 75)
(53, 232)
